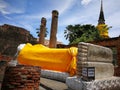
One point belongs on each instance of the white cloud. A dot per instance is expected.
(114, 32)
(8, 8)
(9, 18)
(86, 15)
(47, 12)
(85, 2)
(3, 6)
(64, 5)
(113, 19)
(70, 20)
(36, 16)
(61, 6)
(90, 14)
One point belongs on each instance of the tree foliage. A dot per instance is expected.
(81, 33)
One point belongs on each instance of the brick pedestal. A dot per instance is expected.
(21, 77)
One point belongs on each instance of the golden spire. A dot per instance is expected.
(102, 27)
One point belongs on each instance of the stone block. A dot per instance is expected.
(94, 53)
(102, 70)
(61, 76)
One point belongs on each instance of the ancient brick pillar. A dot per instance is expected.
(21, 77)
(42, 30)
(54, 25)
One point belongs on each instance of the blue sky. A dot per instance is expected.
(28, 14)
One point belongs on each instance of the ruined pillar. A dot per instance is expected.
(21, 77)
(54, 25)
(42, 31)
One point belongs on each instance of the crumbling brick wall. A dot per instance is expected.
(21, 77)
(3, 65)
(5, 58)
(117, 71)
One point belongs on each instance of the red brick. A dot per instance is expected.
(29, 80)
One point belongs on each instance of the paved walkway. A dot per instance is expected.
(48, 84)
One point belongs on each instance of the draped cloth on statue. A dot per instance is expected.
(63, 60)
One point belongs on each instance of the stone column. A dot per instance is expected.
(42, 30)
(54, 25)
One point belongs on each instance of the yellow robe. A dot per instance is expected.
(63, 60)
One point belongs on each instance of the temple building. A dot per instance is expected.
(102, 27)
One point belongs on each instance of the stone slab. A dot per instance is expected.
(112, 83)
(61, 76)
(49, 84)
(102, 70)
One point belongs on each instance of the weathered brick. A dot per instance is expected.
(21, 77)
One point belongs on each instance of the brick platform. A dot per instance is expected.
(21, 77)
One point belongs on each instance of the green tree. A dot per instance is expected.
(81, 33)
